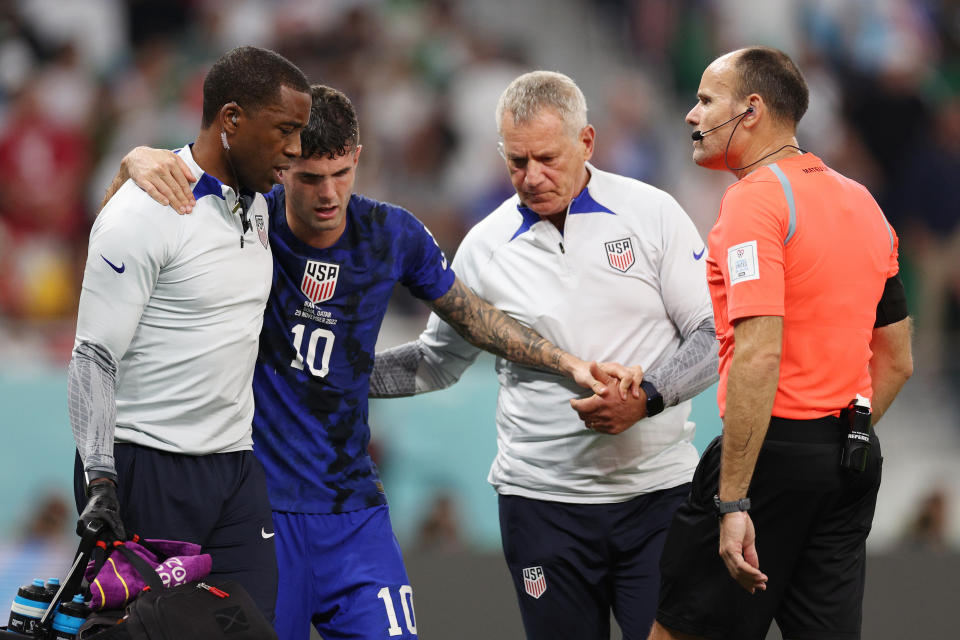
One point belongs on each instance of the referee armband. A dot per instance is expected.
(893, 303)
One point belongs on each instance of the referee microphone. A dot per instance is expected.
(243, 201)
(698, 135)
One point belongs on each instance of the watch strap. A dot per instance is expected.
(654, 399)
(95, 474)
(743, 504)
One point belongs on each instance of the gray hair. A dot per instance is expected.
(533, 91)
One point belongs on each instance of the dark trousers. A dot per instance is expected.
(572, 564)
(811, 519)
(218, 501)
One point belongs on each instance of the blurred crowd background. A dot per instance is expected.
(83, 82)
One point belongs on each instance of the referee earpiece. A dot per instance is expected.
(233, 119)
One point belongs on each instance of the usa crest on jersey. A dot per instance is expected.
(534, 581)
(620, 254)
(319, 280)
(261, 229)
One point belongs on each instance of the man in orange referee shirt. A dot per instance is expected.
(812, 319)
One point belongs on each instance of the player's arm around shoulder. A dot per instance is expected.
(162, 174)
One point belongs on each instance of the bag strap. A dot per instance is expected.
(148, 573)
(100, 554)
(74, 577)
(102, 551)
(161, 556)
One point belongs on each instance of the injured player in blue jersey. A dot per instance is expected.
(337, 257)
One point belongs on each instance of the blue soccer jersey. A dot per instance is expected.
(311, 384)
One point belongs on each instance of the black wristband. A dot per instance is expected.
(94, 474)
(743, 504)
(654, 399)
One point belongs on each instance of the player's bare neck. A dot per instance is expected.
(323, 240)
(316, 239)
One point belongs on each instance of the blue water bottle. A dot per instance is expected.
(28, 607)
(53, 585)
(69, 618)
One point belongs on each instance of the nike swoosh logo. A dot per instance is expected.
(119, 269)
(266, 536)
(697, 256)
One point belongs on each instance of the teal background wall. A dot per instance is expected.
(36, 450)
(437, 443)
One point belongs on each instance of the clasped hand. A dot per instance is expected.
(613, 411)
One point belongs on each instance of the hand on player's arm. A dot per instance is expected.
(162, 174)
(488, 328)
(615, 412)
(626, 378)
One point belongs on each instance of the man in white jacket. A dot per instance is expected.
(611, 269)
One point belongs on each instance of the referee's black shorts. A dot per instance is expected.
(811, 518)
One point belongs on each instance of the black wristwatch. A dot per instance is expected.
(743, 504)
(654, 399)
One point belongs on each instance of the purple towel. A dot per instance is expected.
(118, 582)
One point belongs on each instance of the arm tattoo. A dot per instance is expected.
(488, 328)
(91, 382)
(690, 370)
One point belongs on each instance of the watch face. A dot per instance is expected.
(654, 399)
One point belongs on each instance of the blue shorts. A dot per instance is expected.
(342, 572)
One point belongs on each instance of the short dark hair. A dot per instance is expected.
(333, 128)
(772, 74)
(251, 77)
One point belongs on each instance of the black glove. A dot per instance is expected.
(102, 508)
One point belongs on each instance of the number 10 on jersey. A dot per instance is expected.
(311, 358)
(406, 602)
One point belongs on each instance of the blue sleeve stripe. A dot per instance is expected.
(788, 193)
(889, 232)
